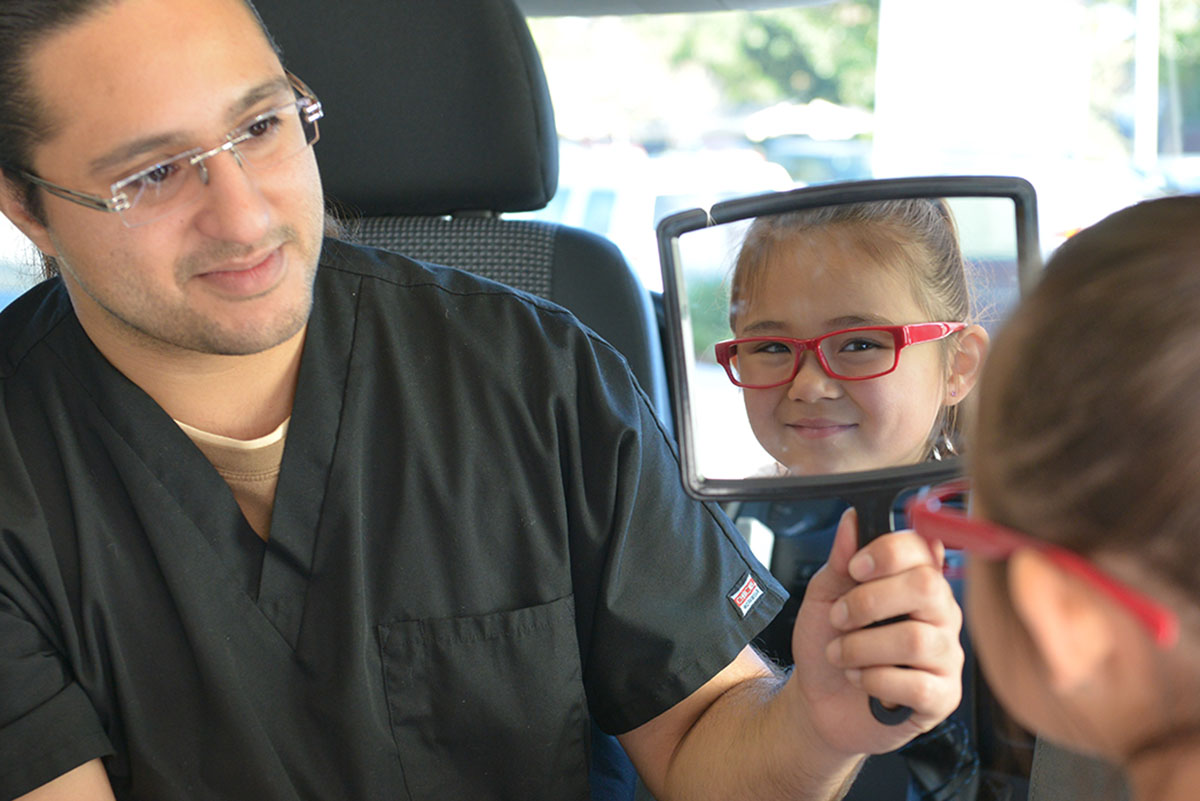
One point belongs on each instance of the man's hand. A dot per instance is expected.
(916, 662)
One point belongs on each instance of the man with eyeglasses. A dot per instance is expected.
(188, 609)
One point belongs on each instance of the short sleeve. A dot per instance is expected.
(677, 593)
(47, 724)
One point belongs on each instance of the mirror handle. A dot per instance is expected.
(874, 519)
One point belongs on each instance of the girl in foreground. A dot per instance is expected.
(1084, 582)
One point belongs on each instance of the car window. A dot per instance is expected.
(18, 268)
(1096, 102)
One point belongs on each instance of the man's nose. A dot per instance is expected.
(233, 208)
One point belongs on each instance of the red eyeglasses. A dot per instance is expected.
(853, 354)
(933, 520)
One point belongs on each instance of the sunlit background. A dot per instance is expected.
(1096, 102)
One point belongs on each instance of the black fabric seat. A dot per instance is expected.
(438, 121)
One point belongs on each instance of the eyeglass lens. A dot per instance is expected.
(851, 354)
(264, 142)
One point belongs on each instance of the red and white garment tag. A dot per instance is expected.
(746, 595)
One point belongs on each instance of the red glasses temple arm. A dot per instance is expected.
(987, 541)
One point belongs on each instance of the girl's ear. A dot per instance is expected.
(12, 205)
(966, 363)
(1070, 630)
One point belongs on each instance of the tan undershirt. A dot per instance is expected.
(250, 467)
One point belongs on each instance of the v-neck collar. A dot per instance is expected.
(308, 454)
(274, 574)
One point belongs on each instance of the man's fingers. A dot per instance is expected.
(921, 593)
(909, 643)
(929, 695)
(833, 579)
(893, 553)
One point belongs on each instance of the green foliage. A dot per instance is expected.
(796, 54)
(1179, 73)
(708, 304)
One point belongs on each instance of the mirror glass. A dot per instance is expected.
(825, 333)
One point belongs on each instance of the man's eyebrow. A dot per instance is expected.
(256, 95)
(155, 142)
(131, 150)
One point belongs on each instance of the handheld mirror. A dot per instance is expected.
(819, 341)
(825, 342)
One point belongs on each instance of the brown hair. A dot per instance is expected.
(24, 24)
(1088, 429)
(23, 120)
(915, 235)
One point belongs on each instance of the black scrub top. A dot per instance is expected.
(479, 540)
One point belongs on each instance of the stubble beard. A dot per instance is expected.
(201, 333)
(141, 318)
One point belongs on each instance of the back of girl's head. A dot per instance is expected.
(1089, 418)
(915, 235)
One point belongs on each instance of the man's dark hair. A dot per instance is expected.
(23, 121)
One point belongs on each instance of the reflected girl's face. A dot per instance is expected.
(822, 282)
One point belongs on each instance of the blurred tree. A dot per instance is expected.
(796, 54)
(649, 76)
(1179, 75)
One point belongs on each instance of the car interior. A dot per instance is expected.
(452, 131)
(440, 142)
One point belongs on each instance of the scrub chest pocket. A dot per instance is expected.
(489, 706)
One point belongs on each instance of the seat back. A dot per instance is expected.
(438, 121)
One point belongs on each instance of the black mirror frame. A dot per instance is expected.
(860, 485)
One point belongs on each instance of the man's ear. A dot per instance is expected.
(966, 363)
(12, 205)
(1072, 632)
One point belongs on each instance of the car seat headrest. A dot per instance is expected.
(431, 108)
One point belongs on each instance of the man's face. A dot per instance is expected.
(135, 83)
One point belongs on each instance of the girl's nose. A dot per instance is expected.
(812, 383)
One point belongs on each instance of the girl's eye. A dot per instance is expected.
(772, 347)
(860, 345)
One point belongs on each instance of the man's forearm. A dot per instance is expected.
(756, 742)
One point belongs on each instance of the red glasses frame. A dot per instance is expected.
(902, 336)
(933, 520)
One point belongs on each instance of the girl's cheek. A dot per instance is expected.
(1004, 652)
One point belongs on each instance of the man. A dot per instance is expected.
(473, 539)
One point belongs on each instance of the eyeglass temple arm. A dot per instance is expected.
(1161, 622)
(92, 201)
(313, 111)
(916, 333)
